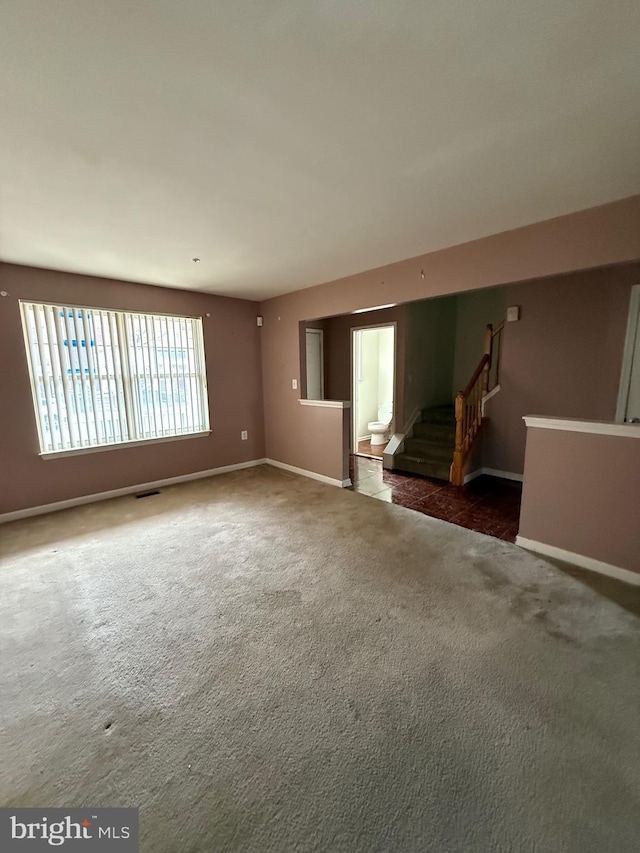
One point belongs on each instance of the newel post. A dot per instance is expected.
(488, 350)
(457, 466)
(488, 337)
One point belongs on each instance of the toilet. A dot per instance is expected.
(379, 428)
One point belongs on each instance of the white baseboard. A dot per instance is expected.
(127, 490)
(395, 445)
(490, 396)
(364, 438)
(493, 472)
(312, 474)
(589, 563)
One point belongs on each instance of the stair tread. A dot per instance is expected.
(441, 455)
(429, 444)
(410, 457)
(434, 430)
(413, 457)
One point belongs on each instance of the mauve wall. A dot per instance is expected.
(474, 311)
(233, 356)
(581, 493)
(601, 236)
(562, 358)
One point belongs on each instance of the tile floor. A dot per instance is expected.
(488, 505)
(371, 450)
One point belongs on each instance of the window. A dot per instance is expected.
(101, 377)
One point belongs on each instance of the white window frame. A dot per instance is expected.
(132, 377)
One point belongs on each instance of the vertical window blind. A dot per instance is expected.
(103, 377)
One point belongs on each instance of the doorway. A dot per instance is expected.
(373, 360)
(628, 408)
(315, 364)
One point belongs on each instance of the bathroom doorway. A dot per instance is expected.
(373, 361)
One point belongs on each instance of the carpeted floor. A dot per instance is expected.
(264, 663)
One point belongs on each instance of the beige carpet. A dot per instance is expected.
(264, 663)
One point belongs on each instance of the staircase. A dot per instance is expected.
(441, 442)
(429, 451)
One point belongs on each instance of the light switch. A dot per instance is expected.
(244, 435)
(513, 313)
(294, 384)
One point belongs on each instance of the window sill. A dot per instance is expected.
(79, 451)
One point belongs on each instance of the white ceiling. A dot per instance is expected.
(291, 143)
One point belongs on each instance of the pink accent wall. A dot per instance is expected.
(581, 493)
(319, 426)
(601, 236)
(233, 357)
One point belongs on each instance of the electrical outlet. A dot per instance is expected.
(244, 435)
(294, 384)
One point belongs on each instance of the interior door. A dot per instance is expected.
(632, 412)
(315, 369)
(629, 397)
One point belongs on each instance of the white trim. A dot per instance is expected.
(78, 451)
(127, 490)
(364, 438)
(576, 425)
(396, 442)
(581, 560)
(327, 404)
(627, 358)
(312, 474)
(375, 308)
(395, 445)
(473, 475)
(489, 396)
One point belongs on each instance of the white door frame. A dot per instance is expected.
(354, 407)
(627, 358)
(320, 333)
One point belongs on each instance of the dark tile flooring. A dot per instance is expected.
(487, 504)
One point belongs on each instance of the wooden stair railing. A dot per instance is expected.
(468, 404)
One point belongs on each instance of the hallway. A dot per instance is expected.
(487, 504)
